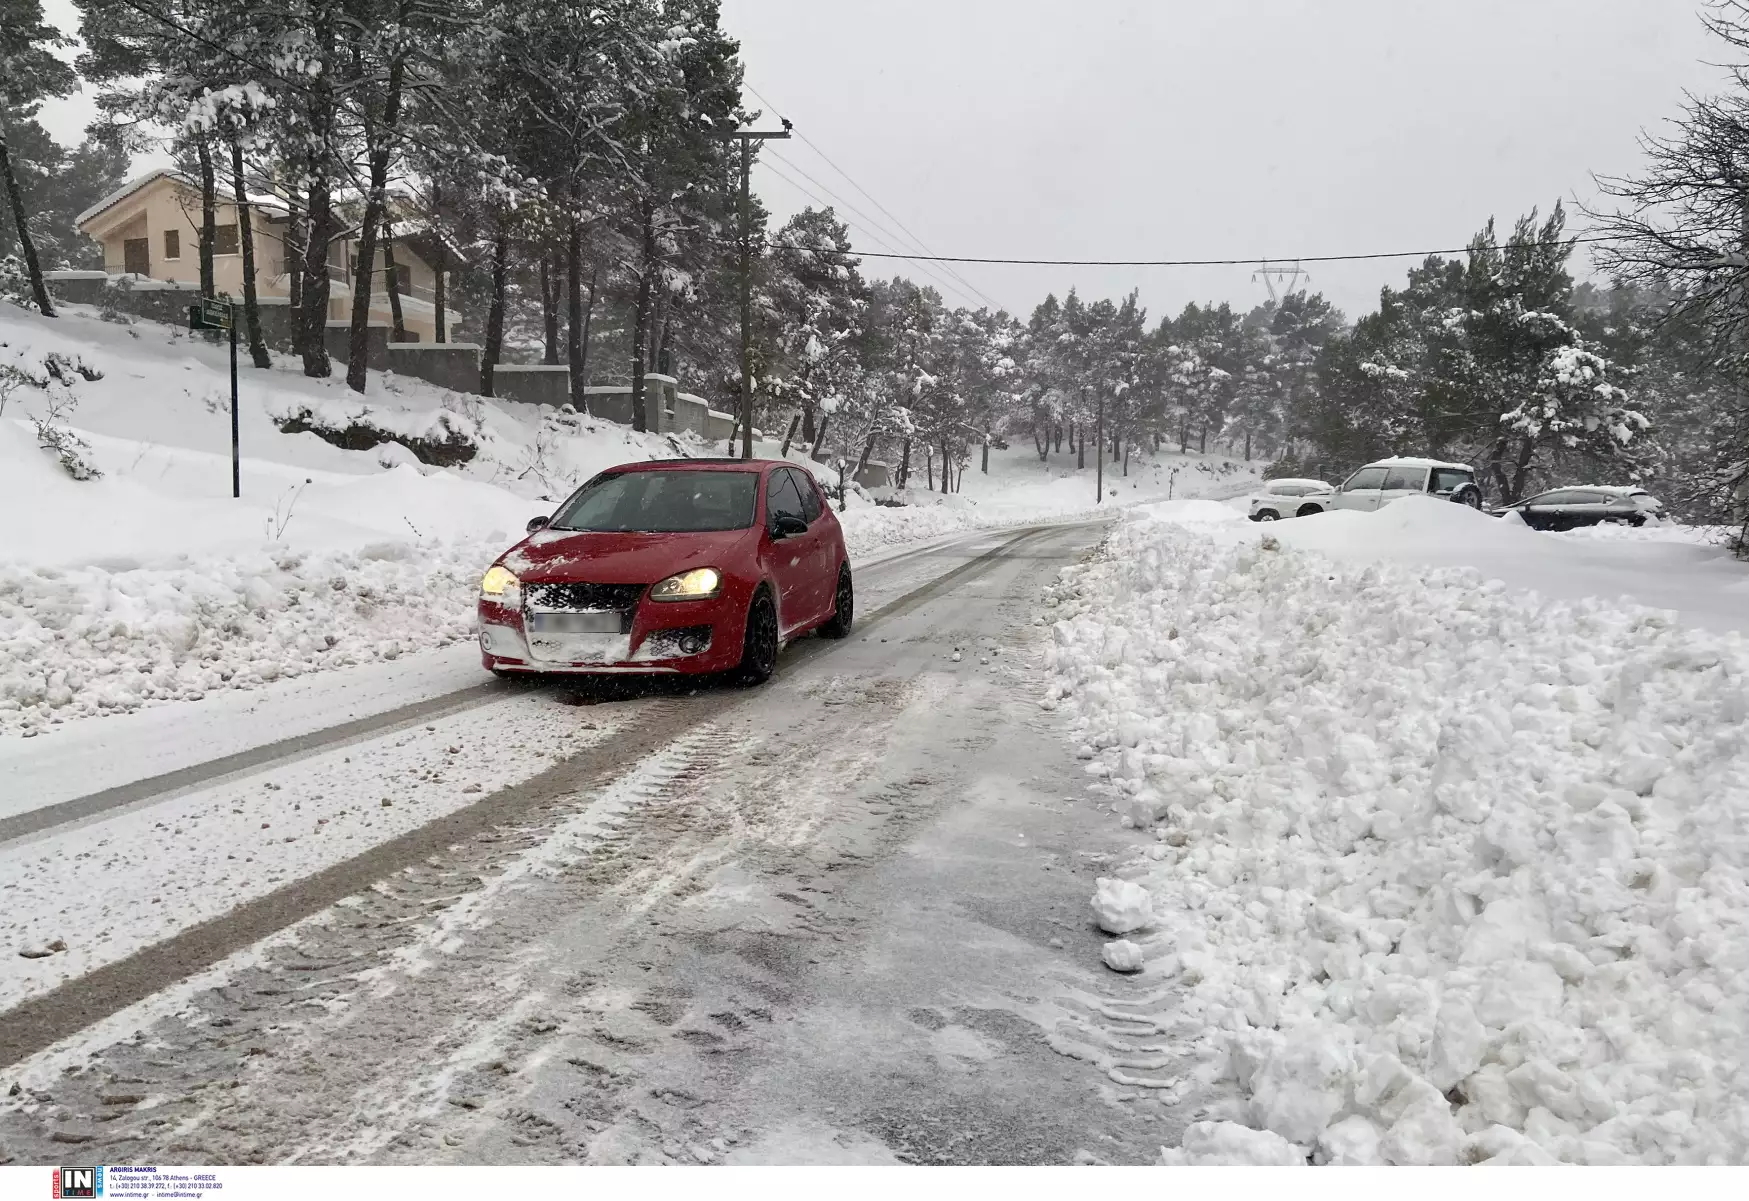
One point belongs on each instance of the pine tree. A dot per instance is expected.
(29, 74)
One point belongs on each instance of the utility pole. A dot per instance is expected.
(747, 138)
(1099, 457)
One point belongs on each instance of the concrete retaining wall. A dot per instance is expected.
(611, 402)
(452, 365)
(533, 383)
(875, 474)
(338, 338)
(691, 415)
(718, 425)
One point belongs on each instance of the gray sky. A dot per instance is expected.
(1197, 128)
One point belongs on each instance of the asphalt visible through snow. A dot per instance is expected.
(841, 918)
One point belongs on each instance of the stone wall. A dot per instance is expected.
(533, 383)
(611, 402)
(691, 415)
(338, 338)
(874, 474)
(452, 365)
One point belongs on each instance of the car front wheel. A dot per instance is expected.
(1469, 496)
(844, 607)
(1308, 510)
(1266, 515)
(759, 645)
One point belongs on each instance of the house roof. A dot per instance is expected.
(123, 192)
(257, 200)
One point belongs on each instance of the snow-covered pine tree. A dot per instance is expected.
(29, 74)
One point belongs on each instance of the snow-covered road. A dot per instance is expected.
(839, 918)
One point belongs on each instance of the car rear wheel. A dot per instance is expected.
(844, 607)
(759, 645)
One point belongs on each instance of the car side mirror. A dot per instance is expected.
(786, 525)
(538, 523)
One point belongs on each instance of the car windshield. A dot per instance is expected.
(661, 502)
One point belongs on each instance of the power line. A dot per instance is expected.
(934, 275)
(909, 236)
(881, 235)
(1247, 261)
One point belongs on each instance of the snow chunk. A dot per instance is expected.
(1213, 1144)
(1121, 907)
(1122, 955)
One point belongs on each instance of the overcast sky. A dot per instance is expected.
(1197, 128)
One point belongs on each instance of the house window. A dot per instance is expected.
(172, 243)
(225, 239)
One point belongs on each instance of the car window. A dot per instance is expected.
(1563, 496)
(1449, 479)
(804, 483)
(782, 499)
(1366, 477)
(661, 502)
(1412, 479)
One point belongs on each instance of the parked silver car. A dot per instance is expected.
(1585, 504)
(1378, 484)
(1290, 498)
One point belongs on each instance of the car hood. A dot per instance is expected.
(558, 556)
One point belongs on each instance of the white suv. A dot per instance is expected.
(1378, 484)
(1289, 498)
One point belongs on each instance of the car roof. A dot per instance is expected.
(703, 464)
(1401, 461)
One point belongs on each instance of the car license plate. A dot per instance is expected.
(601, 621)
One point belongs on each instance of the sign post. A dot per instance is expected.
(222, 314)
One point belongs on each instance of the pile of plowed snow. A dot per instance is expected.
(1442, 871)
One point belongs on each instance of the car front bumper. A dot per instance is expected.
(665, 638)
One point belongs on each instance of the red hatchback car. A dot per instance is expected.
(678, 565)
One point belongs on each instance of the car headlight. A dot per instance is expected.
(698, 584)
(497, 581)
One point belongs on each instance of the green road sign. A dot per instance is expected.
(210, 314)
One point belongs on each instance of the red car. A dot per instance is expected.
(677, 565)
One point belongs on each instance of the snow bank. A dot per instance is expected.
(1445, 872)
(81, 641)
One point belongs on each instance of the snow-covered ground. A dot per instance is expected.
(1440, 869)
(152, 583)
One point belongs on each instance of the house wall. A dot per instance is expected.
(165, 205)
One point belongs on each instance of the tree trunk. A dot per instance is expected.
(246, 243)
(392, 281)
(1059, 432)
(984, 464)
(579, 340)
(1247, 446)
(663, 356)
(1202, 446)
(904, 463)
(1184, 436)
(641, 322)
(549, 309)
(789, 437)
(208, 218)
(574, 347)
(379, 140)
(313, 316)
(1126, 459)
(1080, 447)
(439, 293)
(814, 446)
(294, 248)
(946, 468)
(867, 450)
(495, 314)
(808, 436)
(929, 466)
(38, 289)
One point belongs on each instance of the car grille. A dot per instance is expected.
(576, 597)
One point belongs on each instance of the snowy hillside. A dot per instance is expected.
(152, 583)
(1441, 870)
